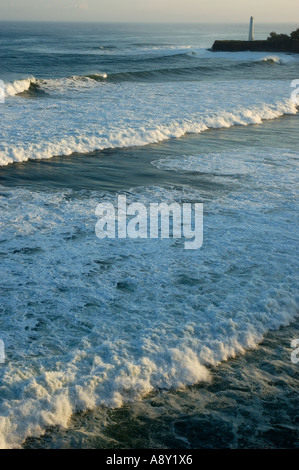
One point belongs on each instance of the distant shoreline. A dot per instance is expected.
(259, 46)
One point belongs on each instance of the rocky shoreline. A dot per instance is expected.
(288, 45)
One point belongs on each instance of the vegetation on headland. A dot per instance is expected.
(274, 43)
(294, 36)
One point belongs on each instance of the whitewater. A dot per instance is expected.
(101, 116)
(93, 324)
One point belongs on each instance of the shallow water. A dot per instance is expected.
(252, 403)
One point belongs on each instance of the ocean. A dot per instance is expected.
(134, 343)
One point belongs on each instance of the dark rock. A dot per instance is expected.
(273, 45)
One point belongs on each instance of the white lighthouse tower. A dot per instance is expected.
(251, 29)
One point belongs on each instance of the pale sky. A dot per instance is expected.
(196, 11)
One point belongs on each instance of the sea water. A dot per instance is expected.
(141, 343)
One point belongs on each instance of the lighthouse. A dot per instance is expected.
(251, 29)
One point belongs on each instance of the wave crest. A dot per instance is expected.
(272, 60)
(19, 86)
(133, 137)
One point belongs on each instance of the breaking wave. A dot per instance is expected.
(132, 137)
(187, 72)
(115, 342)
(28, 87)
(19, 86)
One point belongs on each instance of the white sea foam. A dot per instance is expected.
(225, 164)
(18, 86)
(138, 137)
(71, 84)
(168, 48)
(143, 115)
(53, 85)
(89, 322)
(272, 59)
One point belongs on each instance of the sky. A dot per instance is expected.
(195, 11)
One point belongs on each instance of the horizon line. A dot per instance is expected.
(144, 22)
